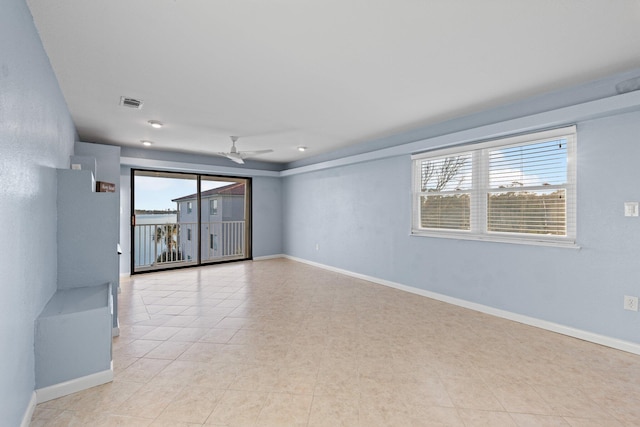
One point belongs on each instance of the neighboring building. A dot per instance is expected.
(222, 214)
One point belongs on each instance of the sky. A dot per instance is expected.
(537, 164)
(156, 193)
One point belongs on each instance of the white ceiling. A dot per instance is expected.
(319, 73)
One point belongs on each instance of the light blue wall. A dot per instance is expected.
(87, 232)
(108, 170)
(107, 161)
(360, 215)
(36, 137)
(267, 216)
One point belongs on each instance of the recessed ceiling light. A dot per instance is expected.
(146, 143)
(156, 124)
(302, 148)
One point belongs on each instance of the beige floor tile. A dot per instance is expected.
(142, 370)
(471, 394)
(43, 413)
(296, 380)
(232, 353)
(63, 418)
(590, 422)
(162, 333)
(97, 419)
(478, 418)
(101, 398)
(334, 411)
(218, 336)
(148, 402)
(170, 423)
(285, 409)
(192, 405)
(247, 336)
(201, 352)
(189, 334)
(178, 372)
(173, 310)
(233, 323)
(218, 375)
(61, 403)
(343, 380)
(120, 363)
(237, 408)
(426, 392)
(571, 401)
(135, 348)
(169, 350)
(381, 411)
(133, 331)
(283, 343)
(530, 420)
(256, 378)
(522, 398)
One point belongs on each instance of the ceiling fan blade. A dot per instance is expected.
(234, 157)
(246, 154)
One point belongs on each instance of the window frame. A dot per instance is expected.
(481, 189)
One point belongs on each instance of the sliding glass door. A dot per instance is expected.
(182, 219)
(223, 220)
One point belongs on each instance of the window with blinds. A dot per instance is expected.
(445, 192)
(519, 189)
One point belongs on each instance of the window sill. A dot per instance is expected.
(531, 241)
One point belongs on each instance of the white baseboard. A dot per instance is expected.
(26, 419)
(72, 386)
(115, 330)
(262, 258)
(618, 344)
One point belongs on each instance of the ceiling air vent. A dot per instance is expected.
(131, 102)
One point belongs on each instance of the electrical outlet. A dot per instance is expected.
(630, 208)
(317, 247)
(630, 303)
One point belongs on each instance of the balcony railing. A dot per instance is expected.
(168, 244)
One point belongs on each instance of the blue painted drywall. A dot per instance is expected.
(73, 335)
(36, 137)
(87, 232)
(267, 216)
(359, 216)
(107, 161)
(108, 170)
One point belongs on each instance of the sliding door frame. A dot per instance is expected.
(248, 229)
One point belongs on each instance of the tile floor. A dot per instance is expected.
(279, 343)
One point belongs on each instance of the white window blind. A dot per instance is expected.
(514, 189)
(445, 192)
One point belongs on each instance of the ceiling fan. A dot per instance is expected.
(239, 156)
